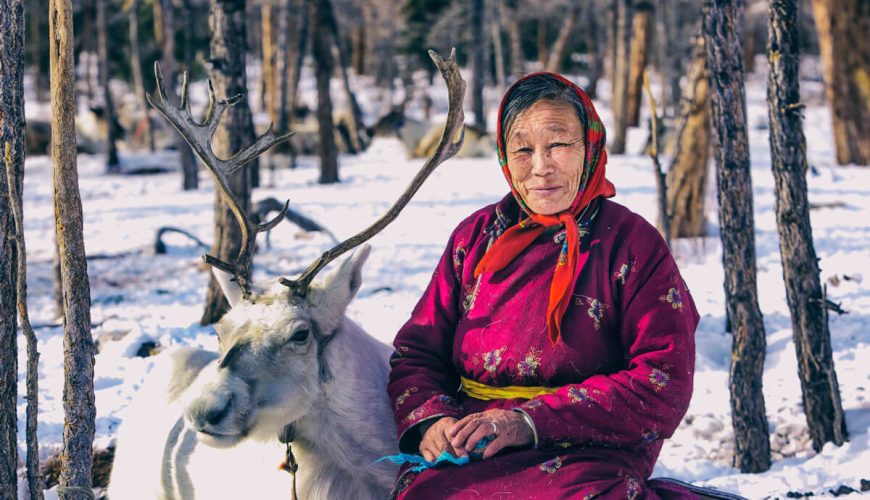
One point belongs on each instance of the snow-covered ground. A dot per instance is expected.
(138, 296)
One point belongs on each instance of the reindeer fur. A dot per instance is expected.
(204, 427)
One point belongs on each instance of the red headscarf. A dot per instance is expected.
(592, 185)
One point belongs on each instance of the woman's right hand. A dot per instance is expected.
(435, 440)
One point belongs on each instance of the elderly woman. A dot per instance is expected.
(556, 327)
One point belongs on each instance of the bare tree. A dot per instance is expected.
(846, 64)
(554, 60)
(641, 32)
(228, 48)
(12, 143)
(722, 28)
(495, 24)
(136, 69)
(592, 24)
(112, 163)
(619, 102)
(324, 63)
(78, 390)
(477, 49)
(800, 268)
(687, 176)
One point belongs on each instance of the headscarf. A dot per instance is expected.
(518, 237)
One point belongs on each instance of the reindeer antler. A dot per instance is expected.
(447, 148)
(199, 136)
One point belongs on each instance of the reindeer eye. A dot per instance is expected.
(300, 336)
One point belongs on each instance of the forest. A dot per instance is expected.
(147, 143)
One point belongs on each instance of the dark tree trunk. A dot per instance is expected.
(596, 49)
(228, 48)
(497, 48)
(641, 32)
(78, 346)
(722, 21)
(620, 79)
(478, 68)
(518, 60)
(269, 98)
(165, 22)
(296, 55)
(358, 47)
(12, 151)
(841, 25)
(281, 55)
(687, 177)
(543, 53)
(554, 61)
(322, 53)
(36, 48)
(136, 68)
(358, 136)
(112, 163)
(806, 302)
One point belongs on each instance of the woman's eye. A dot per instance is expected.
(558, 145)
(300, 336)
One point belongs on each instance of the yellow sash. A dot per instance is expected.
(486, 393)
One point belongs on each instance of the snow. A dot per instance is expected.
(139, 297)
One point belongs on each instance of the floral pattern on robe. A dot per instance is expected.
(623, 367)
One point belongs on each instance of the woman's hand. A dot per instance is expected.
(435, 440)
(509, 428)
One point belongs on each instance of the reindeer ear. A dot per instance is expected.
(232, 290)
(342, 284)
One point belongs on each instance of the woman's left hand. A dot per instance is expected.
(508, 427)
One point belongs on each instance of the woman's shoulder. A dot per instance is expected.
(493, 217)
(626, 227)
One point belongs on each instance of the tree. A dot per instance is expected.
(478, 68)
(228, 48)
(846, 64)
(136, 69)
(324, 64)
(554, 60)
(164, 27)
(687, 176)
(722, 28)
(800, 268)
(592, 24)
(78, 346)
(112, 163)
(12, 151)
(622, 43)
(641, 32)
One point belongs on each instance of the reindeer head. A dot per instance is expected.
(272, 341)
(271, 368)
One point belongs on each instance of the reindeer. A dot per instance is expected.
(292, 368)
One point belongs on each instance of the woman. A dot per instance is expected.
(556, 325)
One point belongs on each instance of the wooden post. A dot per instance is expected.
(800, 268)
(78, 346)
(722, 19)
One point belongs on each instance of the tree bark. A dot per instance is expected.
(228, 48)
(478, 46)
(270, 75)
(358, 135)
(324, 64)
(543, 54)
(36, 48)
(642, 26)
(620, 79)
(687, 176)
(554, 60)
(800, 268)
(296, 55)
(498, 51)
(722, 21)
(189, 165)
(112, 163)
(596, 50)
(12, 128)
(358, 47)
(846, 64)
(78, 346)
(136, 68)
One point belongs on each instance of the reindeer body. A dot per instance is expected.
(205, 427)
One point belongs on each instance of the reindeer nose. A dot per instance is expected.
(209, 414)
(215, 415)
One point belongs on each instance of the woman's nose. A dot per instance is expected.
(542, 162)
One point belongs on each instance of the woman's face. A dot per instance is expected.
(545, 152)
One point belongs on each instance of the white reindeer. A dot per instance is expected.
(292, 367)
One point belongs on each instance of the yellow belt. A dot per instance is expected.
(486, 393)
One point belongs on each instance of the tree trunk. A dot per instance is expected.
(542, 41)
(498, 51)
(270, 61)
(518, 60)
(642, 26)
(281, 60)
(36, 35)
(669, 41)
(554, 60)
(228, 48)
(596, 50)
(12, 149)
(478, 46)
(136, 67)
(800, 268)
(358, 47)
(846, 64)
(112, 163)
(722, 21)
(358, 135)
(87, 47)
(296, 54)
(620, 79)
(687, 177)
(189, 165)
(324, 64)
(78, 346)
